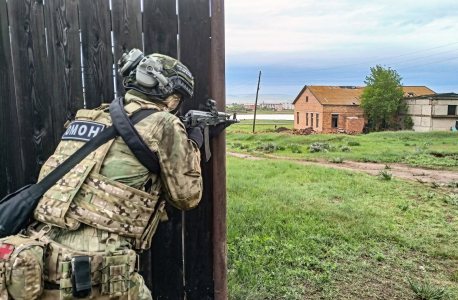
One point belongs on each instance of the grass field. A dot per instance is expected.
(310, 232)
(261, 125)
(434, 150)
(263, 112)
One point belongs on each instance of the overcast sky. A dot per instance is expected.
(334, 42)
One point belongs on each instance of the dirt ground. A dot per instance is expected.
(398, 170)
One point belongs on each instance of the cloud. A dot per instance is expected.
(296, 39)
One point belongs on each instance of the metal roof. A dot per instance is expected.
(350, 95)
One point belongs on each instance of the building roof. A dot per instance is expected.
(349, 95)
(448, 96)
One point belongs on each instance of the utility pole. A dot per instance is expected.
(256, 102)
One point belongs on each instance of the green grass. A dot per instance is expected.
(264, 112)
(310, 232)
(261, 125)
(435, 150)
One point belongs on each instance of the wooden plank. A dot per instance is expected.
(11, 176)
(61, 17)
(126, 16)
(160, 35)
(160, 27)
(218, 148)
(31, 76)
(194, 35)
(95, 24)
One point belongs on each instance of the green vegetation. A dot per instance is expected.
(427, 290)
(261, 125)
(380, 98)
(434, 150)
(310, 232)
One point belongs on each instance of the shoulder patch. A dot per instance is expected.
(83, 131)
(6, 250)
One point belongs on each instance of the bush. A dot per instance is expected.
(384, 175)
(345, 149)
(426, 290)
(270, 147)
(295, 148)
(336, 160)
(353, 143)
(387, 167)
(452, 184)
(408, 123)
(319, 147)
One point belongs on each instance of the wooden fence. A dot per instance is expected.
(57, 56)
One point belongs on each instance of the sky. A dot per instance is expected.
(335, 42)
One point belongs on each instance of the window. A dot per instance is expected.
(306, 98)
(451, 110)
(311, 120)
(307, 119)
(297, 118)
(317, 120)
(335, 121)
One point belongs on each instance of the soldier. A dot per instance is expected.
(110, 203)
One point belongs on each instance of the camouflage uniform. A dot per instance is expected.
(179, 180)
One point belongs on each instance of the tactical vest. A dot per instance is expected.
(85, 196)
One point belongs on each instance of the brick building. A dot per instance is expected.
(327, 108)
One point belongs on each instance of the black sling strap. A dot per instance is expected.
(125, 127)
(16, 209)
(102, 138)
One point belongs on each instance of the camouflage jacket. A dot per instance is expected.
(179, 181)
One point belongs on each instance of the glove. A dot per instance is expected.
(195, 134)
(214, 131)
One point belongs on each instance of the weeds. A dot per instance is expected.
(427, 290)
(295, 148)
(435, 185)
(269, 148)
(336, 160)
(387, 167)
(452, 184)
(384, 175)
(319, 147)
(345, 149)
(452, 199)
(353, 143)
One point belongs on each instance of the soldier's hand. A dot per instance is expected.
(195, 134)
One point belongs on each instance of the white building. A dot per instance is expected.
(433, 112)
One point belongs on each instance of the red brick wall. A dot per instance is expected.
(344, 111)
(356, 125)
(303, 107)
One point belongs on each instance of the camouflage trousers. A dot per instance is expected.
(90, 239)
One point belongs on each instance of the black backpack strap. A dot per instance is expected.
(125, 127)
(102, 138)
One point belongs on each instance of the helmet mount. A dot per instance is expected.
(155, 75)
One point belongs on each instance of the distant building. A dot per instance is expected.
(432, 112)
(329, 108)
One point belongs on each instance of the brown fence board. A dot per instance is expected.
(32, 86)
(61, 17)
(126, 16)
(160, 27)
(95, 25)
(194, 31)
(160, 35)
(11, 176)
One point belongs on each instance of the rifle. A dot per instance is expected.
(205, 119)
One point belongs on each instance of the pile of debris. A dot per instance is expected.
(281, 129)
(306, 131)
(343, 131)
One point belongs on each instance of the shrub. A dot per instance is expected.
(452, 199)
(270, 147)
(295, 148)
(384, 175)
(426, 290)
(237, 145)
(408, 123)
(319, 147)
(336, 160)
(452, 184)
(435, 185)
(353, 143)
(387, 167)
(345, 149)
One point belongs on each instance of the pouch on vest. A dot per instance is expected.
(21, 268)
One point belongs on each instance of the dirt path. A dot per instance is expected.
(398, 170)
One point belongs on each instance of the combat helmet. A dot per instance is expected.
(155, 75)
